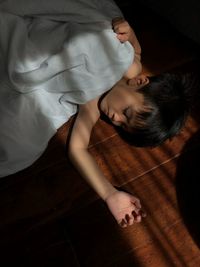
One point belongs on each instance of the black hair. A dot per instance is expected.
(169, 97)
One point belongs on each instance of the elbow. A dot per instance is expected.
(74, 152)
(134, 70)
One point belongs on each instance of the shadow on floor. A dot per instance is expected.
(188, 186)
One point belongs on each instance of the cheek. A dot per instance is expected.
(117, 101)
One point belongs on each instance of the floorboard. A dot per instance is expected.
(51, 217)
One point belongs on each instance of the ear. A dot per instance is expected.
(139, 80)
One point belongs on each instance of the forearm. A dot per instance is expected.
(136, 67)
(135, 43)
(120, 204)
(89, 170)
(125, 33)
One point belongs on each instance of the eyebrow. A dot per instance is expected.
(129, 118)
(137, 118)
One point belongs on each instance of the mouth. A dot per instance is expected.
(110, 116)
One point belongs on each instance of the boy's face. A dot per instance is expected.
(123, 101)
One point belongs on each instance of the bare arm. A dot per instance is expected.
(126, 33)
(78, 150)
(124, 207)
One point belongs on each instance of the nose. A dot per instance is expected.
(117, 119)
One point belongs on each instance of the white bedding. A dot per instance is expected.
(54, 54)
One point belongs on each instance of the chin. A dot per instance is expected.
(101, 104)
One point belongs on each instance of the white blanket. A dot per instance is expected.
(54, 54)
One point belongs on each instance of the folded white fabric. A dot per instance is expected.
(56, 54)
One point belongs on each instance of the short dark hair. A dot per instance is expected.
(169, 95)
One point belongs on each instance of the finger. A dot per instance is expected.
(129, 219)
(121, 38)
(142, 213)
(120, 29)
(137, 217)
(124, 36)
(121, 25)
(125, 28)
(134, 214)
(135, 209)
(123, 223)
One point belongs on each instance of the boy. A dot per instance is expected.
(56, 58)
(146, 110)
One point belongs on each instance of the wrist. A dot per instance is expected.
(110, 193)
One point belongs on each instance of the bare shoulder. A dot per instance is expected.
(87, 117)
(90, 110)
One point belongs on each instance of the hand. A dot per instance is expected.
(125, 208)
(122, 28)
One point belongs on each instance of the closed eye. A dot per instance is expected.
(127, 113)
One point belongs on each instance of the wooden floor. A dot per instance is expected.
(50, 217)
